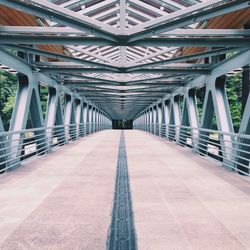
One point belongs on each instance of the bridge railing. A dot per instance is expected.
(232, 149)
(18, 146)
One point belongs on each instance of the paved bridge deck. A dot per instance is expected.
(64, 200)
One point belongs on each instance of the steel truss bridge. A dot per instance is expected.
(126, 60)
(140, 60)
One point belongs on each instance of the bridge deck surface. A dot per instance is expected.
(64, 200)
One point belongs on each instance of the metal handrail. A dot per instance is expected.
(14, 147)
(230, 148)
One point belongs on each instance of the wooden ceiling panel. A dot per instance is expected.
(14, 17)
(235, 20)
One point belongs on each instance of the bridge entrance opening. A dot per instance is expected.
(122, 124)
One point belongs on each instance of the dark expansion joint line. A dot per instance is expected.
(122, 234)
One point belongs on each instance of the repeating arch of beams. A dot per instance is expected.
(124, 54)
(123, 59)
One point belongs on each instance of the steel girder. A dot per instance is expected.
(214, 52)
(153, 42)
(59, 56)
(175, 118)
(196, 13)
(54, 115)
(64, 16)
(69, 115)
(62, 31)
(165, 23)
(172, 70)
(189, 116)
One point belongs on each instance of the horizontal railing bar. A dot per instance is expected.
(41, 141)
(232, 152)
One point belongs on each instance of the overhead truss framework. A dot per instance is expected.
(124, 55)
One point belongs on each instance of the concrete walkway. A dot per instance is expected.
(180, 200)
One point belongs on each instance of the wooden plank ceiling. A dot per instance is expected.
(12, 17)
(234, 20)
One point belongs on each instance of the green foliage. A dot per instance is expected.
(233, 90)
(44, 98)
(181, 100)
(200, 95)
(234, 93)
(8, 88)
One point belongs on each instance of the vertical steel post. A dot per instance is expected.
(151, 120)
(69, 117)
(79, 117)
(96, 119)
(159, 115)
(189, 118)
(54, 117)
(85, 117)
(175, 118)
(90, 118)
(155, 118)
(146, 120)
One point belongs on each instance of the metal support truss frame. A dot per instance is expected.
(64, 16)
(28, 101)
(233, 153)
(189, 15)
(153, 42)
(57, 56)
(61, 31)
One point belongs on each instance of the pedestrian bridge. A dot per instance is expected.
(175, 199)
(124, 124)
